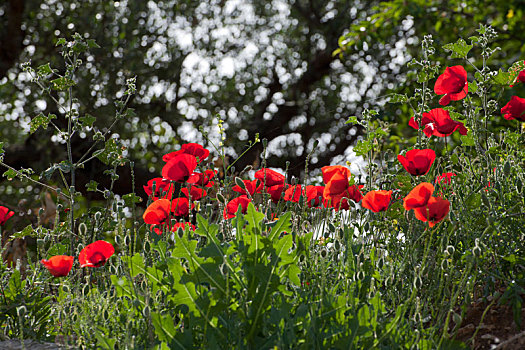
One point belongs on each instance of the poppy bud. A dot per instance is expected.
(450, 250)
(444, 264)
(485, 200)
(82, 229)
(145, 311)
(476, 251)
(361, 275)
(240, 183)
(221, 198)
(418, 283)
(506, 168)
(21, 311)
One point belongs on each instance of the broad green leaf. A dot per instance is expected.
(504, 78)
(206, 270)
(92, 44)
(164, 326)
(112, 152)
(92, 186)
(467, 140)
(131, 199)
(57, 249)
(44, 70)
(352, 120)
(185, 292)
(40, 121)
(254, 219)
(62, 83)
(459, 49)
(362, 148)
(282, 225)
(397, 98)
(87, 120)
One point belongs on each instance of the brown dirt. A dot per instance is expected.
(497, 331)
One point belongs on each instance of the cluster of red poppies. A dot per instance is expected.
(334, 194)
(93, 255)
(173, 193)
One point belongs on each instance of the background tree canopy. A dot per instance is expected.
(264, 68)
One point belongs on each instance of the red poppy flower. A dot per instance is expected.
(377, 200)
(193, 149)
(195, 192)
(335, 170)
(180, 206)
(340, 201)
(5, 214)
(59, 265)
(179, 167)
(202, 179)
(515, 109)
(452, 84)
(412, 122)
(275, 192)
(314, 195)
(161, 185)
(231, 208)
(445, 178)
(435, 210)
(419, 196)
(521, 76)
(293, 193)
(437, 122)
(96, 254)
(252, 186)
(269, 177)
(157, 212)
(417, 161)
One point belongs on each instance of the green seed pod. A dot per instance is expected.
(485, 200)
(519, 185)
(221, 198)
(240, 183)
(506, 168)
(445, 264)
(145, 311)
(456, 318)
(476, 251)
(324, 253)
(82, 229)
(21, 311)
(361, 275)
(418, 282)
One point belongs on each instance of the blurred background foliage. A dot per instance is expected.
(265, 67)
